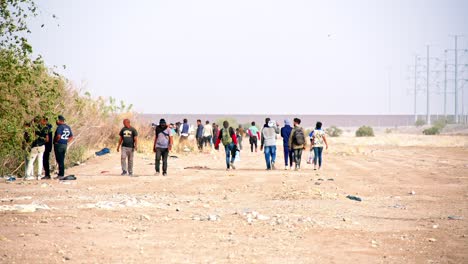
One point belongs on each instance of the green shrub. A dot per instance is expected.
(431, 131)
(420, 123)
(365, 131)
(440, 124)
(334, 131)
(75, 155)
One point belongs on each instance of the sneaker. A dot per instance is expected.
(29, 178)
(273, 166)
(164, 173)
(124, 173)
(228, 169)
(157, 173)
(46, 178)
(232, 166)
(130, 174)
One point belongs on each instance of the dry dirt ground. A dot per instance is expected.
(414, 209)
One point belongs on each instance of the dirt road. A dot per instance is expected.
(249, 215)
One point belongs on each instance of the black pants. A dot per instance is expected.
(161, 153)
(60, 151)
(298, 157)
(45, 162)
(253, 141)
(200, 143)
(207, 141)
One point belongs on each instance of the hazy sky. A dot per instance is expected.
(264, 56)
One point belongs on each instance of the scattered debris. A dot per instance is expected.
(197, 168)
(330, 179)
(21, 198)
(45, 185)
(213, 217)
(454, 217)
(102, 152)
(145, 217)
(10, 178)
(317, 183)
(432, 240)
(102, 172)
(399, 206)
(24, 208)
(435, 226)
(412, 193)
(250, 216)
(173, 157)
(355, 198)
(110, 205)
(68, 178)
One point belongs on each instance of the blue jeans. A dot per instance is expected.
(270, 155)
(288, 155)
(318, 156)
(230, 154)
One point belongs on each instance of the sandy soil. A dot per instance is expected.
(248, 215)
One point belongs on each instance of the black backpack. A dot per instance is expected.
(299, 137)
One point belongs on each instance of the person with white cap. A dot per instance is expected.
(268, 142)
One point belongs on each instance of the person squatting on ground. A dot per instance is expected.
(254, 136)
(129, 142)
(227, 136)
(199, 135)
(297, 142)
(318, 140)
(288, 153)
(207, 134)
(268, 142)
(163, 141)
(37, 148)
(63, 136)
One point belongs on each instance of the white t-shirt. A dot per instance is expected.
(318, 135)
(208, 131)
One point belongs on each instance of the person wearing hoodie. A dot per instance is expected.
(297, 142)
(288, 153)
(163, 141)
(228, 137)
(268, 142)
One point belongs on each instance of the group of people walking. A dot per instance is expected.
(294, 142)
(39, 143)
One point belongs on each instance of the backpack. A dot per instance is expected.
(226, 136)
(299, 138)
